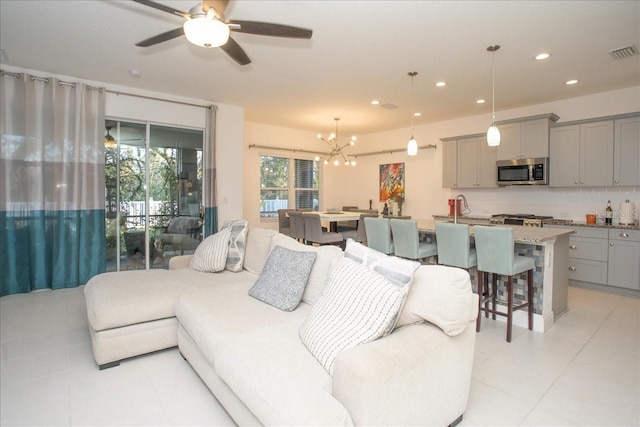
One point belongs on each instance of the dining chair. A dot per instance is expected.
(496, 255)
(406, 240)
(297, 231)
(284, 222)
(360, 233)
(454, 245)
(379, 234)
(314, 233)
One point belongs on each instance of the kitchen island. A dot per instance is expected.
(550, 249)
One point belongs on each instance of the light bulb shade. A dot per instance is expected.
(493, 136)
(412, 147)
(336, 162)
(206, 32)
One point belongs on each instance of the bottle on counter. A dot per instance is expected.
(608, 213)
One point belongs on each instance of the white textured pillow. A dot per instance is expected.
(211, 254)
(396, 270)
(237, 243)
(357, 306)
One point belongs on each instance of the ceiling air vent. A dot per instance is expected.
(624, 52)
(389, 106)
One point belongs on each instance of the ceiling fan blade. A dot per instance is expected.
(274, 30)
(161, 37)
(218, 5)
(233, 49)
(163, 8)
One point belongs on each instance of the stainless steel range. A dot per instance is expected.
(526, 220)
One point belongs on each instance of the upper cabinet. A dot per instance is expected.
(450, 163)
(525, 138)
(468, 162)
(581, 155)
(599, 153)
(626, 152)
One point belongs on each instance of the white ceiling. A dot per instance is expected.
(360, 51)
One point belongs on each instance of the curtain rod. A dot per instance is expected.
(295, 150)
(153, 98)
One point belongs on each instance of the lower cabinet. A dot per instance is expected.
(624, 258)
(604, 256)
(588, 251)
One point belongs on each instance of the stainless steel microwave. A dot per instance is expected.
(523, 171)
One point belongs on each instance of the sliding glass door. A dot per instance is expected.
(153, 193)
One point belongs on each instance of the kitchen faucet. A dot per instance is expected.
(455, 208)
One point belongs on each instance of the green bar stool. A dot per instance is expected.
(454, 245)
(379, 235)
(496, 255)
(406, 241)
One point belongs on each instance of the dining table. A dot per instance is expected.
(334, 218)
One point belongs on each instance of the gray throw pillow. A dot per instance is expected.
(283, 278)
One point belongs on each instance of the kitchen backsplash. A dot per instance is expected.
(559, 203)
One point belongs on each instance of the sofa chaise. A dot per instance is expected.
(252, 357)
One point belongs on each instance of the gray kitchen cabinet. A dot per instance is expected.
(588, 252)
(476, 163)
(450, 163)
(525, 138)
(624, 258)
(581, 155)
(626, 151)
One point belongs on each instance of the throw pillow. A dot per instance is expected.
(237, 244)
(283, 278)
(356, 307)
(211, 254)
(327, 258)
(396, 270)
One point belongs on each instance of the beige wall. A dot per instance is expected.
(424, 193)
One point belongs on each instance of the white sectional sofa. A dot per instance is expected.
(251, 356)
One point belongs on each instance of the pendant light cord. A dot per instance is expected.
(493, 87)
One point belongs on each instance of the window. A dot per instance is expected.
(288, 183)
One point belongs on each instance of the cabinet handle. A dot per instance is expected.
(581, 182)
(611, 244)
(572, 269)
(616, 181)
(576, 182)
(573, 247)
(624, 234)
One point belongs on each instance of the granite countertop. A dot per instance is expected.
(561, 222)
(527, 235)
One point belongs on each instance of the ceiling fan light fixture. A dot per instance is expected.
(206, 31)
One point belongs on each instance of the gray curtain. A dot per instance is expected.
(210, 178)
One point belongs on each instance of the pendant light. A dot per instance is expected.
(493, 133)
(412, 145)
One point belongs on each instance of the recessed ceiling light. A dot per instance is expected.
(375, 102)
(571, 82)
(542, 56)
(417, 114)
(441, 84)
(480, 101)
(135, 73)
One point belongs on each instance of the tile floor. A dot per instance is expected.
(584, 371)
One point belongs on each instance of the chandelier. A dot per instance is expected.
(336, 152)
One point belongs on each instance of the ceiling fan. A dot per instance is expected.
(205, 25)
